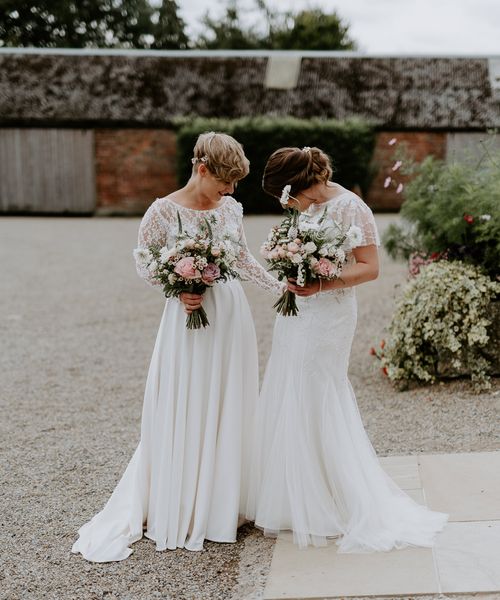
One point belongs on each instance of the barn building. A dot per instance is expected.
(90, 131)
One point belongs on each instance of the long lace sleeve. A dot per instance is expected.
(250, 269)
(152, 232)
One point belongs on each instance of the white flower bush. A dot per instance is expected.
(444, 311)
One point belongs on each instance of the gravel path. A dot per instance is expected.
(77, 329)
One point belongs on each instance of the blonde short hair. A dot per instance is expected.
(223, 156)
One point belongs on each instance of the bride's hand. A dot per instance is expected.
(307, 290)
(191, 301)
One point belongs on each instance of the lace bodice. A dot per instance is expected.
(159, 227)
(346, 209)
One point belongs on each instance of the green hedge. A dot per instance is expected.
(349, 143)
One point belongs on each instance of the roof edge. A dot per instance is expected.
(234, 53)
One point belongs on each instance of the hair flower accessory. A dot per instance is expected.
(306, 149)
(203, 159)
(285, 195)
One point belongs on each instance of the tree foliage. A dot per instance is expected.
(91, 23)
(139, 24)
(310, 29)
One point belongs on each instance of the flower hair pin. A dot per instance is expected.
(203, 159)
(306, 149)
(285, 195)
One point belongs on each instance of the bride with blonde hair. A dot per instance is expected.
(184, 483)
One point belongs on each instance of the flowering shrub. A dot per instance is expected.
(443, 312)
(450, 208)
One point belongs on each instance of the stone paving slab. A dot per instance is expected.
(465, 558)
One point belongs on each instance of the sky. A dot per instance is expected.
(465, 27)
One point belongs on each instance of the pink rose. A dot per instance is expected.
(324, 268)
(186, 269)
(210, 273)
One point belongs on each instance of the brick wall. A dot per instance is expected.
(419, 143)
(133, 167)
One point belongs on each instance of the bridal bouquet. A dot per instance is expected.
(307, 250)
(193, 264)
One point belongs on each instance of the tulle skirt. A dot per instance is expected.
(315, 471)
(184, 482)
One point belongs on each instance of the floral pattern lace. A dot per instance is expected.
(159, 227)
(347, 209)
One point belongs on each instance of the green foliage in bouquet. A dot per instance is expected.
(445, 311)
(451, 208)
(349, 143)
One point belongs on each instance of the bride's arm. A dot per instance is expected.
(250, 269)
(152, 232)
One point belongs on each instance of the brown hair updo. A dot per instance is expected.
(295, 167)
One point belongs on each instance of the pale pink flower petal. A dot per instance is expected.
(392, 141)
(387, 182)
(399, 189)
(397, 164)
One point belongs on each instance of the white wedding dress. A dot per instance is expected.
(186, 480)
(315, 471)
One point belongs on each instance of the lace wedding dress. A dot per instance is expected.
(315, 471)
(184, 482)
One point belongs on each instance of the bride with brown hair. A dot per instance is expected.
(314, 469)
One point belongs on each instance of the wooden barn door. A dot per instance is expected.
(47, 170)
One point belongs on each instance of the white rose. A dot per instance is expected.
(310, 247)
(296, 259)
(167, 253)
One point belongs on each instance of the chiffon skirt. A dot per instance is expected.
(184, 482)
(314, 470)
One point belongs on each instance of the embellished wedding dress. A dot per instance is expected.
(185, 481)
(315, 471)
